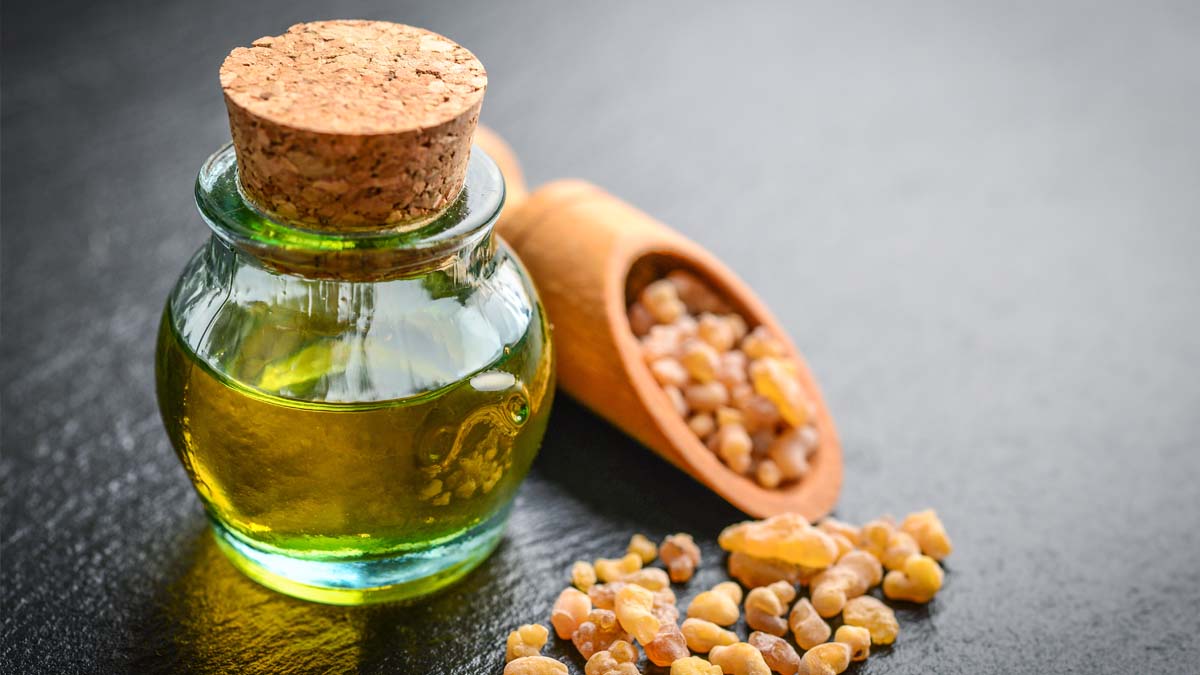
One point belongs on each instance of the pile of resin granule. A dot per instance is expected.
(796, 577)
(735, 386)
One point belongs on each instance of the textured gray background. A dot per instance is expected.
(980, 222)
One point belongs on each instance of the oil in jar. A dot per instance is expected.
(333, 480)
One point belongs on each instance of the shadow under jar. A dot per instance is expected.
(356, 410)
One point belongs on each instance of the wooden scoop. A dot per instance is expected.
(589, 254)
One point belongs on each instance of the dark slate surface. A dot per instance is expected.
(981, 223)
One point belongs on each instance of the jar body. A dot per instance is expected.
(355, 440)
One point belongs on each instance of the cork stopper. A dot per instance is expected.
(353, 125)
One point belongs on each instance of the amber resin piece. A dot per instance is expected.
(787, 537)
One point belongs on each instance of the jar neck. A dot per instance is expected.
(456, 240)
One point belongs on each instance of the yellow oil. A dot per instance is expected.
(337, 481)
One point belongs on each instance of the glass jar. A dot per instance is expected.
(356, 410)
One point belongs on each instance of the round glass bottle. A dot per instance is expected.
(355, 408)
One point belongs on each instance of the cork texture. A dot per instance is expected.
(353, 125)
